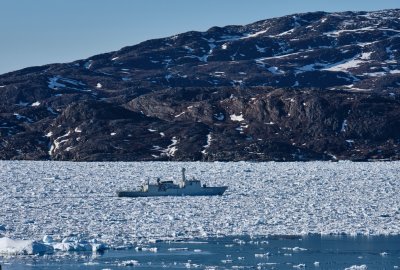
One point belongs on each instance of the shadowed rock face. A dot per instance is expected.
(301, 87)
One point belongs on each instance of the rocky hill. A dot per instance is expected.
(312, 86)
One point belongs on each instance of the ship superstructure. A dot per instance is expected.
(185, 187)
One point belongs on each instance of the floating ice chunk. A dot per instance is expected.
(93, 263)
(178, 249)
(9, 246)
(72, 246)
(98, 247)
(151, 249)
(299, 266)
(299, 249)
(294, 248)
(129, 263)
(262, 255)
(47, 239)
(316, 264)
(35, 104)
(357, 267)
(237, 118)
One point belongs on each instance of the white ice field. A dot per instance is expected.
(75, 202)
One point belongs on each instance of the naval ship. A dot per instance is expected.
(186, 187)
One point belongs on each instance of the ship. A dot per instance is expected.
(185, 187)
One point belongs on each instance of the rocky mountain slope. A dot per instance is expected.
(300, 87)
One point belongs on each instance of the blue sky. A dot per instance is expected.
(36, 32)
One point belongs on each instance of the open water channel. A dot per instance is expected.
(242, 252)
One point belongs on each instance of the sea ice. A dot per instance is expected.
(357, 267)
(22, 247)
(76, 204)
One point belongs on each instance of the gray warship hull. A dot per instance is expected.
(204, 191)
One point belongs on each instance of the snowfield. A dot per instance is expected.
(74, 204)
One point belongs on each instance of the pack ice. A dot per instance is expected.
(66, 206)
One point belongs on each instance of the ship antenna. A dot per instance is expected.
(183, 175)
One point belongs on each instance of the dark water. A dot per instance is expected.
(233, 253)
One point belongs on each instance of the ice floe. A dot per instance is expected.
(72, 206)
(357, 267)
(9, 246)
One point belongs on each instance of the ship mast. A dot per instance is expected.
(183, 177)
